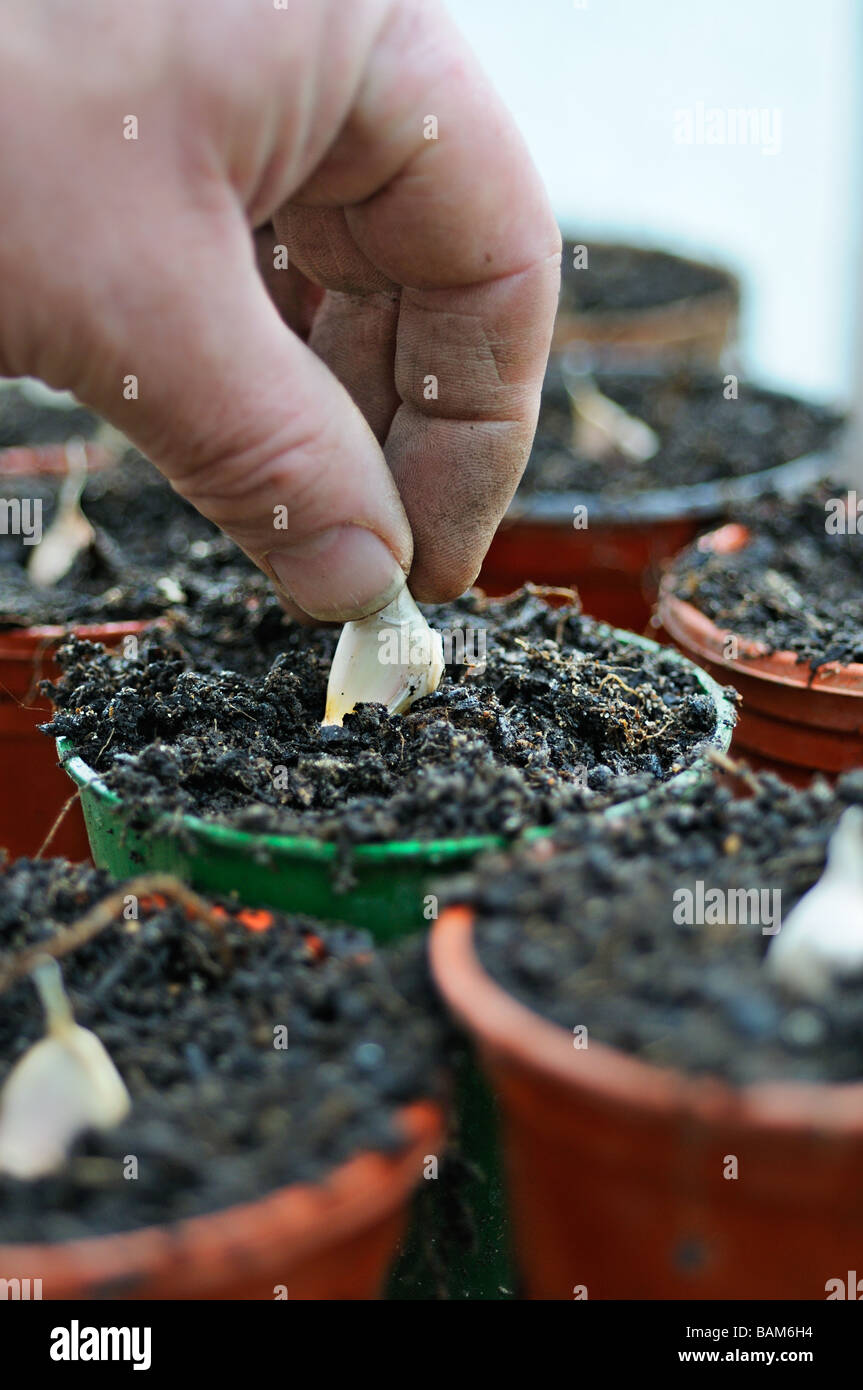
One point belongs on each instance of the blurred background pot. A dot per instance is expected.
(611, 546)
(793, 720)
(34, 787)
(656, 305)
(616, 1169)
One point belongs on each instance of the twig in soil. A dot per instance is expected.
(67, 806)
(103, 915)
(736, 769)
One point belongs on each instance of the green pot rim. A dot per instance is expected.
(307, 848)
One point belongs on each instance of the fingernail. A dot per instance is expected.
(338, 575)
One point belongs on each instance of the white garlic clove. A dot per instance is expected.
(62, 1086)
(391, 658)
(822, 939)
(70, 532)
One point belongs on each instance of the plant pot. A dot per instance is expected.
(616, 1167)
(299, 874)
(690, 326)
(35, 789)
(793, 720)
(329, 1240)
(615, 561)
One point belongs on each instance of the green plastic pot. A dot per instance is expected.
(299, 873)
(387, 898)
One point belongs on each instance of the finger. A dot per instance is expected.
(251, 427)
(462, 224)
(295, 297)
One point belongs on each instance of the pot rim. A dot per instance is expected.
(49, 460)
(307, 847)
(515, 1034)
(727, 286)
(24, 640)
(687, 625)
(690, 502)
(352, 1195)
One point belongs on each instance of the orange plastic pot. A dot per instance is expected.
(698, 328)
(329, 1240)
(34, 787)
(25, 460)
(619, 1171)
(614, 565)
(793, 721)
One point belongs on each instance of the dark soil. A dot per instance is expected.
(153, 551)
(703, 436)
(623, 279)
(221, 716)
(589, 937)
(23, 421)
(220, 1115)
(795, 586)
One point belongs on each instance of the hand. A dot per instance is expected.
(141, 144)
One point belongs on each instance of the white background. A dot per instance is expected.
(595, 88)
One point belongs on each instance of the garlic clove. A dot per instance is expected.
(822, 939)
(62, 1086)
(70, 532)
(391, 658)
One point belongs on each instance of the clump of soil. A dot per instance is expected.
(589, 937)
(26, 421)
(220, 1114)
(221, 716)
(152, 551)
(625, 279)
(703, 436)
(794, 587)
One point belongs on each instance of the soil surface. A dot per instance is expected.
(221, 716)
(795, 587)
(590, 938)
(220, 1114)
(703, 437)
(152, 552)
(623, 279)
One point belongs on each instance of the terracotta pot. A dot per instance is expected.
(329, 1240)
(615, 561)
(791, 721)
(617, 1168)
(698, 328)
(614, 565)
(34, 787)
(24, 460)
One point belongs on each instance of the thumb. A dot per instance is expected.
(253, 430)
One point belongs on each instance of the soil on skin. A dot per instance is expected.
(625, 279)
(795, 587)
(23, 421)
(152, 552)
(703, 437)
(589, 937)
(221, 717)
(220, 1115)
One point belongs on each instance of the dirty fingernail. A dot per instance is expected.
(338, 575)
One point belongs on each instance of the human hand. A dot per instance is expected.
(141, 145)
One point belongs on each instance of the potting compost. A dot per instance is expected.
(606, 934)
(221, 716)
(797, 585)
(704, 434)
(221, 1113)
